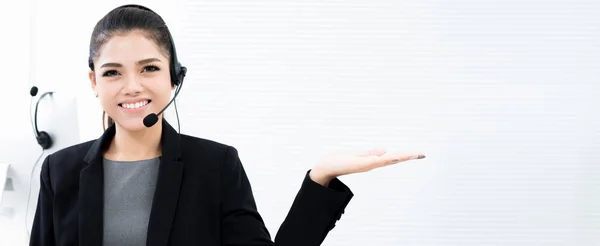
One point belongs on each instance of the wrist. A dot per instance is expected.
(320, 177)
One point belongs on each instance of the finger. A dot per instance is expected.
(372, 162)
(395, 158)
(391, 159)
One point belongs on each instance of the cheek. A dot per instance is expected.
(161, 87)
(107, 96)
(164, 94)
(106, 91)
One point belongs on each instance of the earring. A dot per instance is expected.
(96, 94)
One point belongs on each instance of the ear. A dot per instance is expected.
(92, 79)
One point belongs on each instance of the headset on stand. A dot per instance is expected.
(42, 137)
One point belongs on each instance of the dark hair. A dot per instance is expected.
(123, 20)
(126, 19)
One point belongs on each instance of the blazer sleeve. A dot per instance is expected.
(42, 231)
(312, 215)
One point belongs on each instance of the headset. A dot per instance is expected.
(42, 137)
(177, 70)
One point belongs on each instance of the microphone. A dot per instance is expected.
(33, 92)
(152, 118)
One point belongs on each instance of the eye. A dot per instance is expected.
(110, 73)
(150, 68)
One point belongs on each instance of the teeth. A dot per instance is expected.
(134, 105)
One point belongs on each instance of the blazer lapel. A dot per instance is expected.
(166, 195)
(91, 192)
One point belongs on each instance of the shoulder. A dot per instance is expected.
(68, 156)
(207, 150)
(209, 161)
(74, 152)
(64, 165)
(193, 144)
(190, 141)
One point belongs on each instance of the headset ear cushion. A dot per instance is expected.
(175, 70)
(179, 74)
(44, 140)
(182, 73)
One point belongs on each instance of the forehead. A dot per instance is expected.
(129, 48)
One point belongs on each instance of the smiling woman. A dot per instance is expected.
(141, 184)
(133, 72)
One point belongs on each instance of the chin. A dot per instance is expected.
(134, 124)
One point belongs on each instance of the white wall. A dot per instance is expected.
(17, 146)
(57, 114)
(499, 95)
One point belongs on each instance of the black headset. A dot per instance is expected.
(42, 137)
(176, 70)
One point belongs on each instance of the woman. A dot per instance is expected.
(139, 185)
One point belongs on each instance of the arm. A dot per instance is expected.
(311, 217)
(42, 232)
(314, 212)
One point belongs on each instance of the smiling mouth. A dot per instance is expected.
(135, 105)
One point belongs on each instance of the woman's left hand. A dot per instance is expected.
(337, 164)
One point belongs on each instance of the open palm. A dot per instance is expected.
(342, 163)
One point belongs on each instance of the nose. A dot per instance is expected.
(133, 85)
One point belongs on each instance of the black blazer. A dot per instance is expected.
(202, 197)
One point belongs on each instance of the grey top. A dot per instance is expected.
(128, 191)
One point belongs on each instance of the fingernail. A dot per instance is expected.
(395, 160)
(417, 157)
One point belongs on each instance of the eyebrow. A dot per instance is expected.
(140, 62)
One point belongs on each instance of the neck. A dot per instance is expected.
(138, 145)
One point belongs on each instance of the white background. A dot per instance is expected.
(500, 95)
